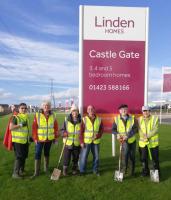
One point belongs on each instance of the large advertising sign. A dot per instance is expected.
(113, 59)
(166, 79)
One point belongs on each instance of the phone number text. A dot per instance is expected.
(108, 87)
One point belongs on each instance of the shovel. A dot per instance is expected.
(154, 173)
(118, 174)
(56, 171)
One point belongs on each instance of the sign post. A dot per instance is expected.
(113, 60)
(166, 86)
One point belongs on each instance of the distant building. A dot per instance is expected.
(4, 109)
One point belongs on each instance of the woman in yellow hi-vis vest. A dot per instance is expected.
(91, 132)
(44, 132)
(125, 127)
(20, 133)
(148, 139)
(71, 133)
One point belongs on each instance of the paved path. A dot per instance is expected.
(166, 118)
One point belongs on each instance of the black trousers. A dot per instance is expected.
(144, 155)
(21, 153)
(71, 151)
(129, 153)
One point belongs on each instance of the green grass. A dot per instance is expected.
(88, 187)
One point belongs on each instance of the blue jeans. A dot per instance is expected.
(42, 145)
(84, 155)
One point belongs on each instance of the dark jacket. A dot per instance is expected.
(70, 119)
(132, 132)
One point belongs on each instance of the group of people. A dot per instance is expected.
(80, 136)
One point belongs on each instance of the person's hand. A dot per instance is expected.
(145, 138)
(82, 145)
(55, 141)
(94, 137)
(65, 134)
(125, 138)
(23, 124)
(36, 142)
(145, 135)
(118, 137)
(20, 125)
(121, 140)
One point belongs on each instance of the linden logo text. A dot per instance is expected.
(117, 25)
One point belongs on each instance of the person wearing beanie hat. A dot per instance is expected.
(123, 106)
(148, 139)
(125, 127)
(71, 133)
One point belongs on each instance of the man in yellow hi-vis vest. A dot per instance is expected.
(125, 127)
(148, 139)
(71, 133)
(20, 133)
(91, 132)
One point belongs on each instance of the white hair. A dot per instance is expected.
(46, 102)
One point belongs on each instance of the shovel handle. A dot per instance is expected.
(149, 152)
(60, 157)
(120, 156)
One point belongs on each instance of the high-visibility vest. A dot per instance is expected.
(122, 130)
(73, 133)
(91, 130)
(20, 135)
(45, 127)
(147, 127)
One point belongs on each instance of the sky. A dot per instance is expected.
(39, 44)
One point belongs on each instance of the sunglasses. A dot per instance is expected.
(23, 108)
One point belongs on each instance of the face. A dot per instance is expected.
(91, 111)
(22, 109)
(146, 113)
(123, 111)
(74, 114)
(46, 108)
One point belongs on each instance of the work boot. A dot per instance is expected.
(145, 172)
(65, 170)
(145, 169)
(36, 168)
(156, 165)
(74, 170)
(46, 164)
(22, 171)
(96, 173)
(16, 174)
